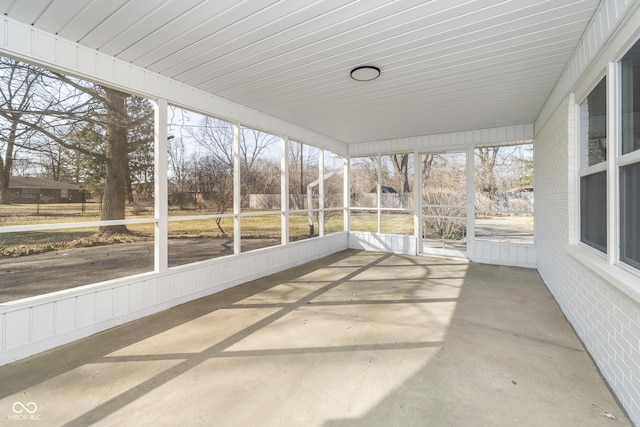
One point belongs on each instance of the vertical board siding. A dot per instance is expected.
(65, 315)
(150, 293)
(104, 305)
(163, 288)
(41, 317)
(85, 309)
(519, 255)
(121, 300)
(445, 141)
(39, 323)
(17, 328)
(135, 295)
(393, 243)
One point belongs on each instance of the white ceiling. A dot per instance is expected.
(447, 65)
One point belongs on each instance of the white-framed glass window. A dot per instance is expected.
(593, 168)
(628, 160)
(609, 152)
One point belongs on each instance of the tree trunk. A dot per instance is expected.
(129, 187)
(7, 164)
(487, 179)
(427, 164)
(116, 168)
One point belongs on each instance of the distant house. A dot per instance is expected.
(24, 189)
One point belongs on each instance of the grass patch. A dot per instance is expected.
(253, 227)
(65, 241)
(391, 222)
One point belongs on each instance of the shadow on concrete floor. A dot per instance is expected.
(357, 338)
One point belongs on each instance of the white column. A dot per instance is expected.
(321, 194)
(379, 211)
(471, 205)
(346, 199)
(161, 198)
(417, 199)
(236, 189)
(284, 189)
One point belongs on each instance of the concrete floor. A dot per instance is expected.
(354, 339)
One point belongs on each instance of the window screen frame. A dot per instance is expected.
(588, 170)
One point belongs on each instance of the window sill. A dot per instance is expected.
(626, 282)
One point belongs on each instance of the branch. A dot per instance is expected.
(132, 145)
(62, 142)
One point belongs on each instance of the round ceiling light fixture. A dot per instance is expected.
(365, 73)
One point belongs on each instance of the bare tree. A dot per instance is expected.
(256, 170)
(444, 197)
(115, 119)
(216, 137)
(259, 174)
(179, 168)
(485, 177)
(400, 164)
(62, 109)
(18, 86)
(214, 180)
(303, 167)
(140, 156)
(364, 181)
(212, 172)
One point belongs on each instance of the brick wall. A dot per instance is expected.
(607, 320)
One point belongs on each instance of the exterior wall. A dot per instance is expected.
(601, 301)
(606, 319)
(32, 325)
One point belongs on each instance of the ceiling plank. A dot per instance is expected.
(446, 65)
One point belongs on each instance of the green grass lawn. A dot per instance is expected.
(19, 243)
(391, 222)
(264, 226)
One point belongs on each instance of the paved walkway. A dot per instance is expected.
(354, 339)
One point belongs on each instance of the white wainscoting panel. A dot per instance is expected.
(35, 324)
(520, 255)
(42, 326)
(392, 243)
